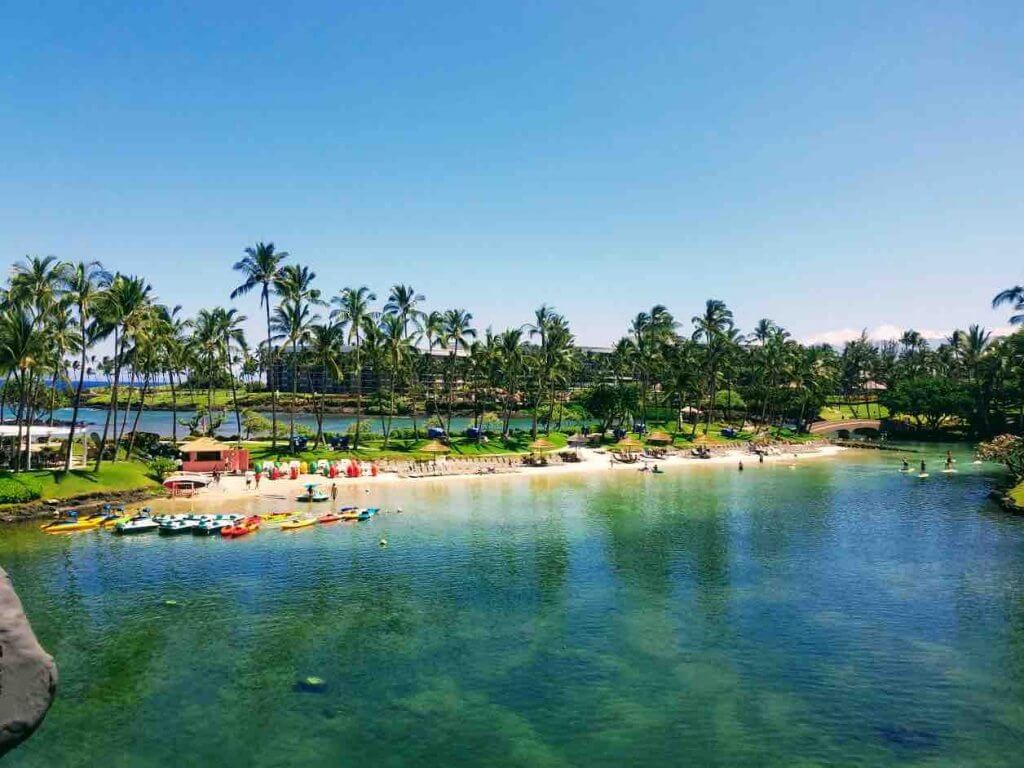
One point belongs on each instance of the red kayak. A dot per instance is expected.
(329, 517)
(248, 525)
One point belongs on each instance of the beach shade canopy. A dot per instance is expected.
(629, 445)
(203, 445)
(578, 439)
(540, 444)
(434, 446)
(659, 437)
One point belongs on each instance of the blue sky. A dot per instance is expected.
(831, 166)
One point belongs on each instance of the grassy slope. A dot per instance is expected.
(1017, 494)
(123, 476)
(407, 450)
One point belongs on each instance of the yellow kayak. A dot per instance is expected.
(294, 523)
(79, 525)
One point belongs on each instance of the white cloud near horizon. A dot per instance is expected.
(888, 331)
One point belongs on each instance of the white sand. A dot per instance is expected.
(233, 487)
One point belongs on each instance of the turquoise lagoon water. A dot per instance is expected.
(838, 613)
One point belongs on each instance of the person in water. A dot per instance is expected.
(949, 462)
(334, 491)
(923, 470)
(906, 466)
(741, 466)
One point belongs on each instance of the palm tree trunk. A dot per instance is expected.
(451, 388)
(359, 394)
(3, 399)
(127, 408)
(138, 413)
(295, 394)
(78, 398)
(174, 408)
(113, 402)
(270, 375)
(234, 398)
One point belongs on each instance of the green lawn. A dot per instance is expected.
(843, 411)
(403, 449)
(112, 478)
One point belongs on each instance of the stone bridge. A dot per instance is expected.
(848, 425)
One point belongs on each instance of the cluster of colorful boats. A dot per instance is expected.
(230, 525)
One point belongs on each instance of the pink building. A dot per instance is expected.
(204, 454)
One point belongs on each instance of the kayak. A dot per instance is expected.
(366, 514)
(247, 526)
(923, 475)
(297, 522)
(75, 525)
(350, 513)
(330, 517)
(315, 496)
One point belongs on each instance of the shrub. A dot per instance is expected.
(18, 490)
(162, 467)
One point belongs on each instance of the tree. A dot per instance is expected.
(353, 312)
(261, 268)
(709, 328)
(457, 333)
(83, 284)
(291, 322)
(928, 400)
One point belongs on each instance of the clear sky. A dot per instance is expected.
(829, 165)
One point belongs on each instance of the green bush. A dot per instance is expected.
(18, 490)
(162, 467)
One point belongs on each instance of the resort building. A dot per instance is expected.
(204, 454)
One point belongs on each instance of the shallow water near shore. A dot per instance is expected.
(837, 613)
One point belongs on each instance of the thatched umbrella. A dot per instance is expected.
(629, 445)
(659, 438)
(540, 444)
(434, 446)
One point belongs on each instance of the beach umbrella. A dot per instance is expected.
(540, 444)
(434, 446)
(629, 445)
(659, 437)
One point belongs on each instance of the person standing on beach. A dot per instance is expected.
(334, 491)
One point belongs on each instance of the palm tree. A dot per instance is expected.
(83, 284)
(433, 332)
(120, 311)
(709, 328)
(325, 348)
(19, 352)
(1014, 296)
(292, 321)
(403, 301)
(397, 352)
(353, 310)
(457, 333)
(261, 267)
(510, 354)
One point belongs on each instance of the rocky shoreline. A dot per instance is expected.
(28, 674)
(45, 508)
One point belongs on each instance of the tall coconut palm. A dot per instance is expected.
(83, 284)
(261, 268)
(325, 351)
(352, 311)
(433, 333)
(1014, 296)
(511, 355)
(709, 328)
(20, 350)
(404, 302)
(458, 331)
(292, 321)
(120, 311)
(397, 352)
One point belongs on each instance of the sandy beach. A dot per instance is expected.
(232, 487)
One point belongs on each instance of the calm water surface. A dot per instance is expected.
(838, 613)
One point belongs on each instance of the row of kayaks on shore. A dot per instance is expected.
(228, 525)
